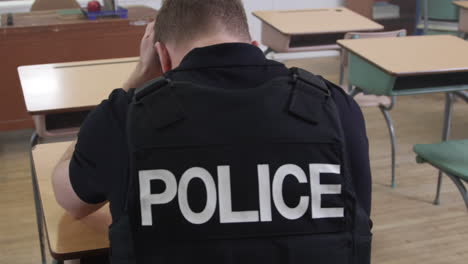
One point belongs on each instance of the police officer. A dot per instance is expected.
(221, 155)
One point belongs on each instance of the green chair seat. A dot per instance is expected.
(449, 156)
(442, 10)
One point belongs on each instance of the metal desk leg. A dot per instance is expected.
(445, 137)
(386, 112)
(37, 203)
(342, 66)
(426, 16)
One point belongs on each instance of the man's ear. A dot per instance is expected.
(255, 43)
(164, 57)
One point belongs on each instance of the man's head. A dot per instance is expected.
(182, 25)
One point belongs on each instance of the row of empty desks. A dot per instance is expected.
(54, 36)
(87, 83)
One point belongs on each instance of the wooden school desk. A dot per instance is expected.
(67, 238)
(463, 20)
(407, 66)
(42, 37)
(310, 29)
(63, 89)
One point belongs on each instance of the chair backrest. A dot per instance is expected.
(359, 35)
(42, 5)
(442, 10)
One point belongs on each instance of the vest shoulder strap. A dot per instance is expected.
(151, 87)
(310, 79)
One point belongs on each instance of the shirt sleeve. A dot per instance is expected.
(89, 165)
(357, 146)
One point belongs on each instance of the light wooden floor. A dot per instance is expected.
(407, 227)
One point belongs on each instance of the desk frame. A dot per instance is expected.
(368, 78)
(39, 113)
(365, 77)
(281, 39)
(37, 203)
(57, 254)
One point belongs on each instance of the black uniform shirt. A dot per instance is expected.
(99, 167)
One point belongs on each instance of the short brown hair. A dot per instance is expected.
(183, 20)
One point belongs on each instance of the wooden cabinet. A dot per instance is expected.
(54, 36)
(407, 19)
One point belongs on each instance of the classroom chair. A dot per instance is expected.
(43, 5)
(449, 99)
(362, 99)
(450, 157)
(438, 13)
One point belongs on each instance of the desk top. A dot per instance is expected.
(65, 17)
(415, 55)
(314, 21)
(67, 237)
(73, 86)
(462, 4)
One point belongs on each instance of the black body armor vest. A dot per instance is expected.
(255, 175)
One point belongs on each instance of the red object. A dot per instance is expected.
(94, 6)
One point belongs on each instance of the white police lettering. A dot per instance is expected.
(226, 215)
(318, 189)
(266, 192)
(147, 198)
(283, 209)
(210, 207)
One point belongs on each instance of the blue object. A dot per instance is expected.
(120, 12)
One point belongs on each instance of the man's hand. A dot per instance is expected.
(149, 59)
(148, 66)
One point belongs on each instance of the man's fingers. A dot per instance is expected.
(151, 35)
(149, 28)
(149, 31)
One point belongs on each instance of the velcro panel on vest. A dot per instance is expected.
(150, 87)
(246, 251)
(311, 79)
(325, 249)
(309, 96)
(164, 103)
